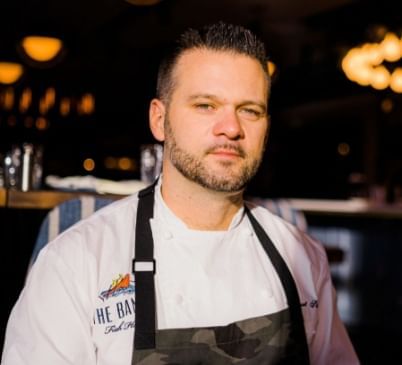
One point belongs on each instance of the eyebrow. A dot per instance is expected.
(203, 96)
(215, 97)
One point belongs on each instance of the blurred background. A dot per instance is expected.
(81, 101)
(90, 100)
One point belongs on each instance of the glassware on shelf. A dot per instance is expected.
(21, 168)
(151, 162)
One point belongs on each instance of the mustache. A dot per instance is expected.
(227, 146)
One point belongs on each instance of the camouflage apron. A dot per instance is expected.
(277, 338)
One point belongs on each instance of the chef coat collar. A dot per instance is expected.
(162, 211)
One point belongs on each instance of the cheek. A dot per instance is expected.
(258, 139)
(186, 137)
(193, 134)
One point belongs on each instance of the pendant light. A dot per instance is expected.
(41, 48)
(10, 72)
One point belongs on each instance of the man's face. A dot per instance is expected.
(216, 123)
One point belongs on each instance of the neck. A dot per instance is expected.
(200, 208)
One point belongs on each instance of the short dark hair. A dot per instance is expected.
(217, 37)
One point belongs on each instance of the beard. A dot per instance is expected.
(229, 179)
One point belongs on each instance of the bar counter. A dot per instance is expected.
(47, 199)
(353, 207)
(3, 200)
(40, 199)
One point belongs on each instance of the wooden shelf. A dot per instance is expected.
(47, 199)
(41, 199)
(3, 197)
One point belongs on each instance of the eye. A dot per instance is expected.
(251, 113)
(204, 107)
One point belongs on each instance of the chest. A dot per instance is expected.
(207, 280)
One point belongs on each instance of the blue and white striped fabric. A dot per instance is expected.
(63, 216)
(283, 209)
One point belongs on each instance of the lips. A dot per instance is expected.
(227, 151)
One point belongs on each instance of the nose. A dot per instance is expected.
(229, 125)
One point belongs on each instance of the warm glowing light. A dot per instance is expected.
(120, 163)
(364, 64)
(25, 100)
(391, 48)
(387, 105)
(125, 163)
(396, 80)
(373, 53)
(41, 123)
(50, 96)
(43, 106)
(87, 104)
(41, 49)
(343, 149)
(380, 78)
(65, 106)
(8, 99)
(47, 100)
(110, 162)
(10, 72)
(271, 68)
(362, 76)
(354, 64)
(89, 164)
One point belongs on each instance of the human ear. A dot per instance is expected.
(157, 119)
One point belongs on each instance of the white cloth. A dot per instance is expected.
(92, 183)
(78, 303)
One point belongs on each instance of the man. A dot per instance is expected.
(215, 281)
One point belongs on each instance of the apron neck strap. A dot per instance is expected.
(144, 268)
(288, 284)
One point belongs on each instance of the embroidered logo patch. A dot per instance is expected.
(312, 303)
(120, 285)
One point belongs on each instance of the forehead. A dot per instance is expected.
(216, 72)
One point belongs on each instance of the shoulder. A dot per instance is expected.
(281, 231)
(305, 256)
(108, 231)
(119, 211)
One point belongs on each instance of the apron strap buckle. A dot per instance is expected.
(144, 266)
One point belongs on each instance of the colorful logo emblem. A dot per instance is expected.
(120, 285)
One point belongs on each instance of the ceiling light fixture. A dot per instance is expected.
(10, 72)
(366, 65)
(40, 48)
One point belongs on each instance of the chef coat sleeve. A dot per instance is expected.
(331, 344)
(51, 321)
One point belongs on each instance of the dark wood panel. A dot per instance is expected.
(44, 199)
(3, 195)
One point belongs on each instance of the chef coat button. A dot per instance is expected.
(248, 232)
(167, 235)
(266, 293)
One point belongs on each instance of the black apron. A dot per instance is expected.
(273, 339)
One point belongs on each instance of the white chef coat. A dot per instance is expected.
(78, 304)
